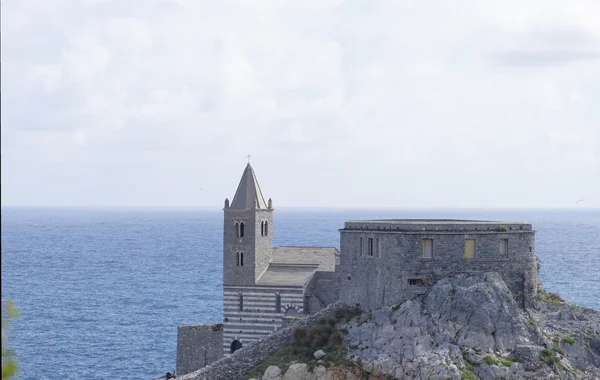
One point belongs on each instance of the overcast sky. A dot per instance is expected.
(407, 103)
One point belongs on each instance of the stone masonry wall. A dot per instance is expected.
(257, 249)
(248, 357)
(320, 291)
(383, 279)
(198, 346)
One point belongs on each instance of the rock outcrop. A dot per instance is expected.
(464, 327)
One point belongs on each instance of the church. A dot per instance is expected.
(262, 283)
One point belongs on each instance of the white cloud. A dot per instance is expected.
(346, 98)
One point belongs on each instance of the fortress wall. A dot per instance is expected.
(374, 281)
(198, 346)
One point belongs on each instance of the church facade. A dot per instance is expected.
(262, 283)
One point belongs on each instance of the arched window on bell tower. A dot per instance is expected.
(237, 229)
(237, 259)
(241, 259)
(266, 228)
(242, 229)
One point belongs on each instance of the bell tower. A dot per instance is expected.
(247, 233)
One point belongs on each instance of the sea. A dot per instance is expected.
(101, 292)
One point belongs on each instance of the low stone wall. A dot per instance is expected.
(198, 346)
(248, 357)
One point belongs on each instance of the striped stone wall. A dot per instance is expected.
(259, 316)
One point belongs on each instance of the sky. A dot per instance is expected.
(359, 104)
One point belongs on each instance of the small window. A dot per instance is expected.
(241, 301)
(418, 282)
(361, 246)
(262, 228)
(278, 302)
(370, 247)
(377, 247)
(237, 259)
(237, 229)
(242, 229)
(266, 228)
(241, 259)
(504, 247)
(427, 248)
(469, 248)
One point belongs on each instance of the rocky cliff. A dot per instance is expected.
(464, 327)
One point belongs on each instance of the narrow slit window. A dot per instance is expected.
(241, 302)
(378, 247)
(427, 248)
(361, 246)
(266, 228)
(241, 259)
(469, 249)
(278, 302)
(262, 228)
(237, 229)
(371, 247)
(237, 259)
(242, 229)
(504, 247)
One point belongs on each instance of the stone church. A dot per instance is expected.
(262, 284)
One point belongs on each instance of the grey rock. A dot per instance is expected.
(272, 372)
(319, 354)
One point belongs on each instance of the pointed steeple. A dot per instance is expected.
(248, 194)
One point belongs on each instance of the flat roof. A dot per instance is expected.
(433, 221)
(436, 225)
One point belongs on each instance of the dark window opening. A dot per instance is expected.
(278, 303)
(237, 259)
(266, 228)
(235, 345)
(242, 229)
(241, 259)
(237, 229)
(418, 282)
(370, 247)
(262, 228)
(241, 302)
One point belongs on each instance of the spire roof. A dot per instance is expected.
(248, 192)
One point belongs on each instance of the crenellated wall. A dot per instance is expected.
(397, 267)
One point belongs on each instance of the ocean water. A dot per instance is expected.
(101, 293)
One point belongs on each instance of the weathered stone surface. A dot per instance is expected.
(472, 320)
(298, 371)
(272, 372)
(319, 354)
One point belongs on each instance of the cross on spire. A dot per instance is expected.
(248, 159)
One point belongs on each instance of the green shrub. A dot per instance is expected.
(548, 357)
(497, 361)
(569, 340)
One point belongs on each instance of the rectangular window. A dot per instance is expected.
(378, 247)
(241, 302)
(504, 247)
(427, 248)
(370, 248)
(469, 248)
(361, 246)
(418, 282)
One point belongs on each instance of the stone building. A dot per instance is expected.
(262, 284)
(382, 262)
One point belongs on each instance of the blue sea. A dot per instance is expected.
(101, 292)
